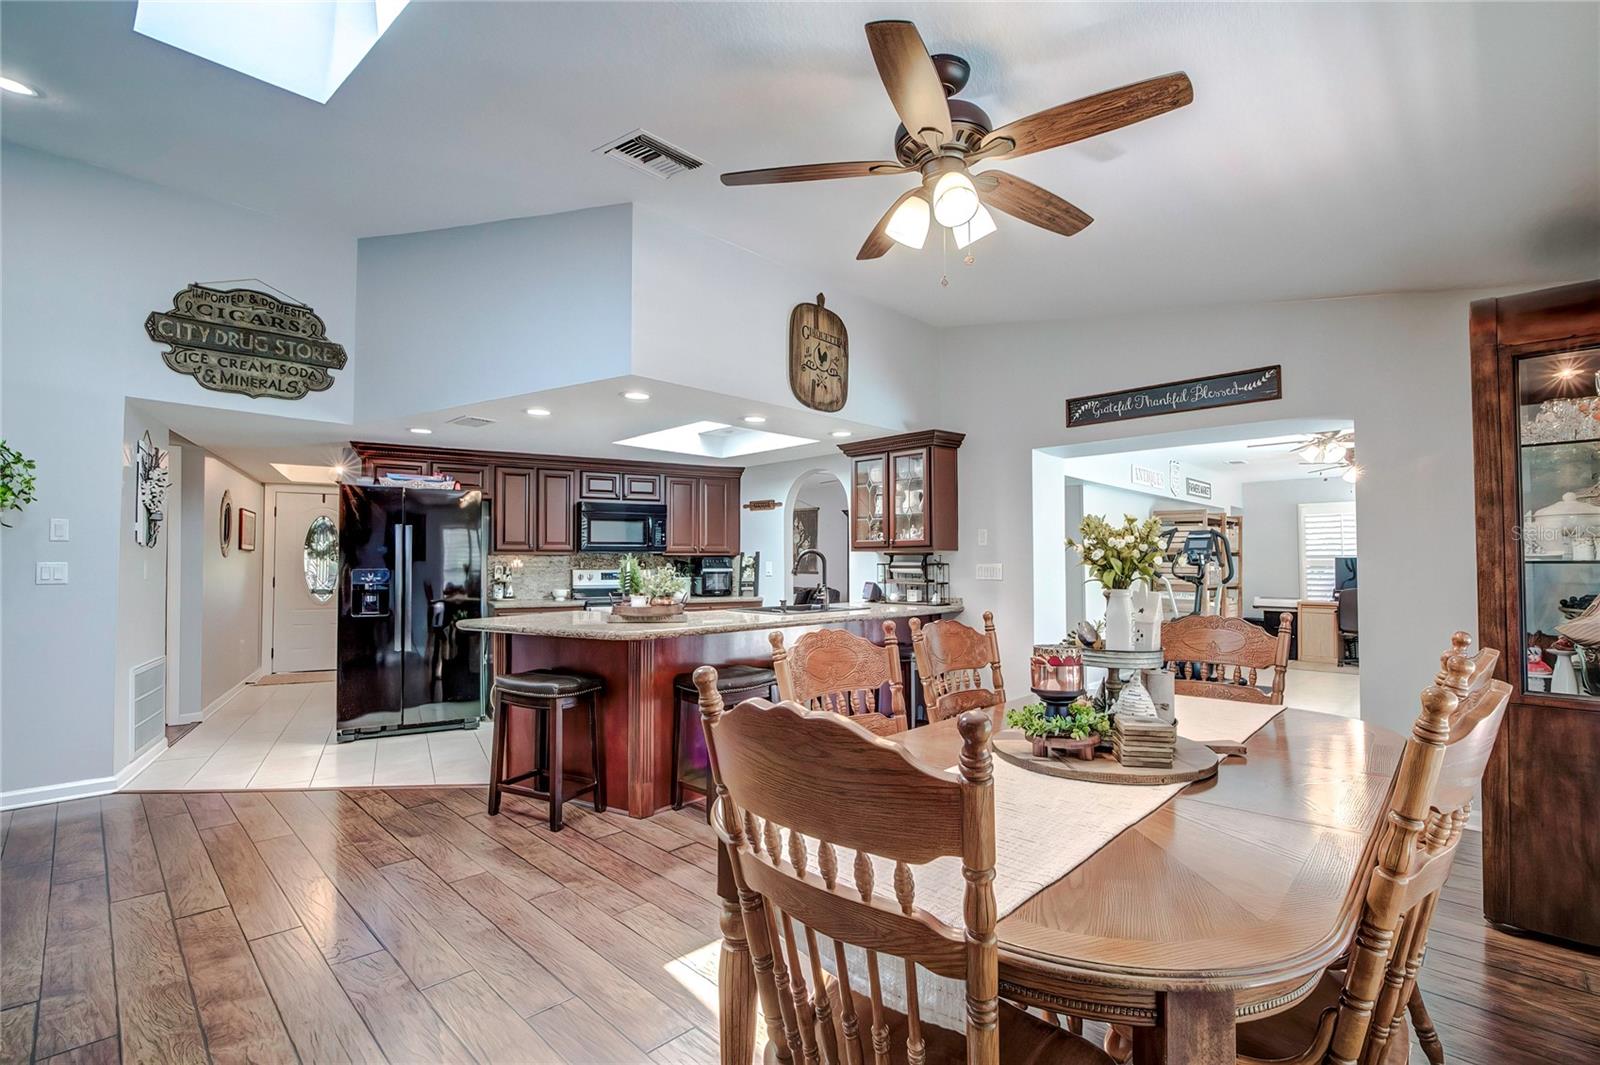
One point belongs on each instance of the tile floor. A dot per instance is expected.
(281, 736)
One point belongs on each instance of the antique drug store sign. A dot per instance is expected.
(240, 340)
(1198, 393)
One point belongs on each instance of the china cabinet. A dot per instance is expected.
(903, 492)
(1536, 418)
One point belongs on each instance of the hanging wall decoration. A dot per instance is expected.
(1196, 393)
(247, 529)
(819, 356)
(244, 341)
(151, 479)
(225, 523)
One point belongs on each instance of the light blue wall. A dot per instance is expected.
(457, 316)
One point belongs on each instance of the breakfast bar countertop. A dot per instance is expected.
(597, 625)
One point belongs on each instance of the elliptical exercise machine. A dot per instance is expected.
(1204, 561)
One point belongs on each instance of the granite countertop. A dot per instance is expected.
(569, 604)
(597, 625)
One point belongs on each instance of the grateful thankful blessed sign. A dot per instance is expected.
(1197, 393)
(244, 341)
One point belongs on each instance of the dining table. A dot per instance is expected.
(1223, 904)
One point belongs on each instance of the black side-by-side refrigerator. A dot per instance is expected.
(411, 567)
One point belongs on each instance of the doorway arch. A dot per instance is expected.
(825, 491)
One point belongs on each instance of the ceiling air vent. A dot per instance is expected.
(470, 421)
(649, 154)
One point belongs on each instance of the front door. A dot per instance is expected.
(305, 574)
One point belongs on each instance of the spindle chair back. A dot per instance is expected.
(802, 868)
(1221, 658)
(951, 659)
(838, 671)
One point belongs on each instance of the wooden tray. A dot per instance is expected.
(624, 612)
(1191, 761)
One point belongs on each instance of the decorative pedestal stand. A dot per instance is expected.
(1115, 663)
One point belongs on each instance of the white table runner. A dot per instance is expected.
(1045, 827)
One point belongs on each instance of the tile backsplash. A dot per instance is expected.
(540, 575)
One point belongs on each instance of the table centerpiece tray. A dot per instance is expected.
(1191, 761)
(622, 612)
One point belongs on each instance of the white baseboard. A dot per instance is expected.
(220, 701)
(81, 789)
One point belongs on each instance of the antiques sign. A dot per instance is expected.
(1198, 393)
(819, 356)
(240, 340)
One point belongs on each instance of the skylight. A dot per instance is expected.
(308, 47)
(714, 440)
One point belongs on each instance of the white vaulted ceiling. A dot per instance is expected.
(1331, 149)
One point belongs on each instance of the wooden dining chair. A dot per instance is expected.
(838, 671)
(1358, 1012)
(1221, 658)
(951, 659)
(796, 792)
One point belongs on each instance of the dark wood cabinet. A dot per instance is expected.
(683, 519)
(1536, 447)
(718, 504)
(702, 515)
(467, 475)
(599, 485)
(903, 492)
(514, 493)
(535, 496)
(384, 467)
(554, 526)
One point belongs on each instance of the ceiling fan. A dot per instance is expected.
(940, 137)
(1332, 449)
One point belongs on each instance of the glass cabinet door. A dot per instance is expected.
(1558, 485)
(910, 526)
(869, 489)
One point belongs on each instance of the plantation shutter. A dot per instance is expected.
(1327, 532)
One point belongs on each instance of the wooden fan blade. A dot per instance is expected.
(911, 80)
(1089, 116)
(879, 241)
(1027, 201)
(778, 175)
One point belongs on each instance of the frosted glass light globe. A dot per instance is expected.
(955, 201)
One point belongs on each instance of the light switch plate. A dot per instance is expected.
(988, 571)
(58, 529)
(50, 573)
(983, 537)
(768, 568)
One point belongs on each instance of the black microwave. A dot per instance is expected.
(622, 527)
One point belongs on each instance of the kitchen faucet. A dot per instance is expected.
(822, 562)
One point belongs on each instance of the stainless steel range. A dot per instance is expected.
(595, 588)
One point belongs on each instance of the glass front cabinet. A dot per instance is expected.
(903, 492)
(1536, 452)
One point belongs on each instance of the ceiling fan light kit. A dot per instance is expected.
(940, 137)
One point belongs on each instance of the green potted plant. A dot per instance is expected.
(663, 585)
(1119, 556)
(630, 580)
(1075, 731)
(16, 481)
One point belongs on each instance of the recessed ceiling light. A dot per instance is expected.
(420, 431)
(635, 395)
(538, 412)
(755, 419)
(13, 85)
(840, 433)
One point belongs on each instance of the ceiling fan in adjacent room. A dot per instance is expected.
(941, 137)
(1332, 449)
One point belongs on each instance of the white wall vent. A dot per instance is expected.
(147, 703)
(471, 421)
(650, 154)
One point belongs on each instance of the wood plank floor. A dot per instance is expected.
(408, 926)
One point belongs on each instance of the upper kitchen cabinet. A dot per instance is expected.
(533, 509)
(554, 525)
(466, 474)
(702, 515)
(903, 492)
(619, 486)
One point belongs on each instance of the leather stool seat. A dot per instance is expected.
(547, 684)
(729, 679)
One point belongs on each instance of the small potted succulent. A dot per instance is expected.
(1075, 731)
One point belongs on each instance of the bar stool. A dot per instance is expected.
(689, 764)
(549, 693)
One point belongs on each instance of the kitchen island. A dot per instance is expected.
(638, 661)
